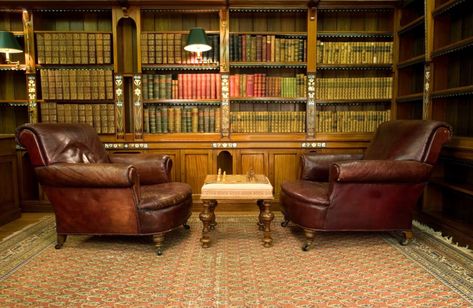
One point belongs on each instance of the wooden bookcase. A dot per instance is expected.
(268, 82)
(354, 69)
(448, 204)
(13, 93)
(411, 60)
(235, 130)
(74, 65)
(181, 93)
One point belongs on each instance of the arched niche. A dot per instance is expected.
(127, 51)
(225, 162)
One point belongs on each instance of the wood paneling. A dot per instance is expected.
(284, 166)
(253, 159)
(9, 203)
(195, 166)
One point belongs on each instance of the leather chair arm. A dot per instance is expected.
(385, 171)
(152, 168)
(315, 166)
(88, 175)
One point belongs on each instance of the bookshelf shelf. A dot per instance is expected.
(446, 7)
(453, 92)
(12, 67)
(354, 67)
(180, 67)
(267, 65)
(453, 47)
(269, 100)
(277, 33)
(419, 22)
(183, 102)
(14, 102)
(353, 101)
(85, 67)
(409, 98)
(412, 61)
(354, 34)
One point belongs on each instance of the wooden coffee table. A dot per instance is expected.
(236, 188)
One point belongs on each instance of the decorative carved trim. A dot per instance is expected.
(137, 107)
(225, 105)
(426, 95)
(310, 108)
(32, 105)
(119, 107)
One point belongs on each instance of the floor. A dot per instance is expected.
(18, 224)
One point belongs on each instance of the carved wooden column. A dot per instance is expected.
(224, 71)
(137, 107)
(119, 107)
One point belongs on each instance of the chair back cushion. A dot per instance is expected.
(419, 140)
(48, 143)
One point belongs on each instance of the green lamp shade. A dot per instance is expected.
(197, 41)
(8, 43)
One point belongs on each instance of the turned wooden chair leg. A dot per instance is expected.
(60, 239)
(407, 237)
(309, 235)
(158, 240)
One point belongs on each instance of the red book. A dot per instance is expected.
(199, 81)
(250, 86)
(218, 86)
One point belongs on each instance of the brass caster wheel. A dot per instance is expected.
(58, 246)
(159, 252)
(186, 226)
(305, 247)
(284, 223)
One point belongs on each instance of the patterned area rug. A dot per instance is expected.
(342, 269)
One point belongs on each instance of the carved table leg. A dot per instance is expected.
(260, 222)
(206, 218)
(267, 216)
(212, 206)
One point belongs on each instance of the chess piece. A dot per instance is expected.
(250, 175)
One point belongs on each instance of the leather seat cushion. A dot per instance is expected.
(307, 191)
(159, 196)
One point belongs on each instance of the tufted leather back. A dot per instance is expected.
(61, 143)
(419, 140)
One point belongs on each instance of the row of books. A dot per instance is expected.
(350, 121)
(100, 116)
(267, 48)
(73, 48)
(181, 86)
(164, 119)
(168, 48)
(354, 52)
(354, 88)
(268, 121)
(260, 85)
(76, 84)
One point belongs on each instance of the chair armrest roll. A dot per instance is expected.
(315, 166)
(386, 171)
(88, 175)
(152, 168)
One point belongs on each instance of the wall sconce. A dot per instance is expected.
(197, 42)
(8, 45)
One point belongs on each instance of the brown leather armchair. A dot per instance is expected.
(376, 191)
(96, 193)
